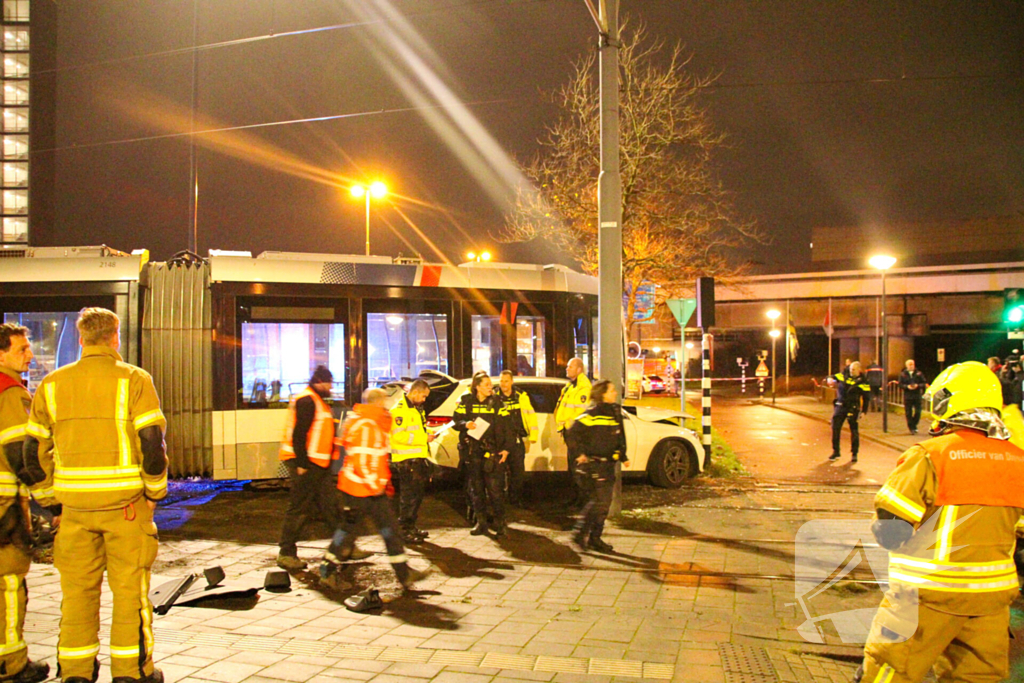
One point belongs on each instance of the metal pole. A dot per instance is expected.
(788, 348)
(682, 375)
(609, 219)
(367, 221)
(774, 339)
(609, 196)
(705, 399)
(885, 363)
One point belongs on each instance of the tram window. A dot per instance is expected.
(405, 344)
(531, 359)
(486, 330)
(54, 341)
(581, 342)
(278, 359)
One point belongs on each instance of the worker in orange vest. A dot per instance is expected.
(949, 514)
(307, 450)
(365, 483)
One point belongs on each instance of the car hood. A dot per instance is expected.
(660, 415)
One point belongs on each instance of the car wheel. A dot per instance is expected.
(670, 465)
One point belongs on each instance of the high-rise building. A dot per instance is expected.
(15, 123)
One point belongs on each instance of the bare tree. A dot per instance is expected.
(677, 220)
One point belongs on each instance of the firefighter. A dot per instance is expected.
(364, 482)
(95, 445)
(485, 457)
(600, 438)
(524, 419)
(15, 521)
(307, 451)
(851, 389)
(410, 457)
(948, 514)
(571, 402)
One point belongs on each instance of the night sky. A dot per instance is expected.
(838, 113)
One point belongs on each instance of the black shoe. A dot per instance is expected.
(853, 458)
(421, 533)
(500, 528)
(580, 539)
(600, 546)
(479, 530)
(156, 677)
(34, 672)
(833, 457)
(409, 537)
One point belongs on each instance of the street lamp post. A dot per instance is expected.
(774, 334)
(884, 263)
(377, 189)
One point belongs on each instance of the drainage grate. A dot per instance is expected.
(416, 655)
(744, 664)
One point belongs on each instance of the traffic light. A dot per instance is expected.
(1013, 309)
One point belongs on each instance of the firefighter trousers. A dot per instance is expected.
(122, 542)
(14, 565)
(962, 649)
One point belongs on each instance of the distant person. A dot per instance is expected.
(1010, 376)
(995, 364)
(876, 380)
(364, 482)
(913, 383)
(307, 451)
(851, 388)
(600, 438)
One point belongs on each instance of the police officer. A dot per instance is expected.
(600, 439)
(571, 402)
(102, 416)
(410, 457)
(486, 456)
(307, 451)
(851, 388)
(524, 420)
(15, 521)
(948, 514)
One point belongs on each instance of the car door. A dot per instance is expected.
(548, 453)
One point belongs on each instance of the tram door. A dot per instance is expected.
(521, 347)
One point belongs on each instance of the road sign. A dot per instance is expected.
(942, 355)
(762, 370)
(1015, 335)
(682, 309)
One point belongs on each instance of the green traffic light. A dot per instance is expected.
(1015, 314)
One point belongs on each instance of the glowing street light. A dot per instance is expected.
(883, 262)
(773, 314)
(482, 256)
(376, 190)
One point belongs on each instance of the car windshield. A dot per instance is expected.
(655, 378)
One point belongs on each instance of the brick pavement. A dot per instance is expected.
(493, 611)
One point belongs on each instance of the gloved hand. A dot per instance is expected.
(891, 531)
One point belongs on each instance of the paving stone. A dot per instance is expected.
(227, 672)
(291, 671)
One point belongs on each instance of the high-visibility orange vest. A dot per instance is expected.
(972, 469)
(367, 470)
(319, 440)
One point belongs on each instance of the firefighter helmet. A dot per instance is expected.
(968, 395)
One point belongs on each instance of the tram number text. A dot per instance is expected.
(108, 264)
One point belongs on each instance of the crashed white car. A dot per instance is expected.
(657, 445)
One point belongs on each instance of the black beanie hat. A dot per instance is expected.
(321, 375)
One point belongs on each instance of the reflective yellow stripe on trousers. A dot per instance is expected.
(12, 640)
(87, 652)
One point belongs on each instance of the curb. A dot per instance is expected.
(877, 439)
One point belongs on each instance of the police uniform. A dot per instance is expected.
(850, 393)
(15, 539)
(95, 445)
(524, 420)
(484, 470)
(600, 436)
(573, 400)
(410, 461)
(952, 582)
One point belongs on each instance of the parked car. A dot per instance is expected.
(654, 384)
(659, 447)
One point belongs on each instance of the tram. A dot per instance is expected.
(230, 337)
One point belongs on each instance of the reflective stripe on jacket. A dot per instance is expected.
(962, 493)
(319, 439)
(599, 433)
(408, 432)
(573, 400)
(520, 407)
(366, 471)
(86, 417)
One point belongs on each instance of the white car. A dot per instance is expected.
(656, 443)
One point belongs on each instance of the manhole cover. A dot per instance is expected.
(744, 664)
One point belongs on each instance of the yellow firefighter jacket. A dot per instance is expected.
(963, 494)
(86, 417)
(14, 403)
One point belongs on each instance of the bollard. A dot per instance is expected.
(705, 385)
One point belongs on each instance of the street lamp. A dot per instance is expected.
(482, 256)
(773, 314)
(883, 263)
(377, 190)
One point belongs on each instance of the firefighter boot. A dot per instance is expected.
(34, 672)
(156, 677)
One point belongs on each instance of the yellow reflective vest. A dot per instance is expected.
(573, 400)
(960, 558)
(408, 432)
(86, 417)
